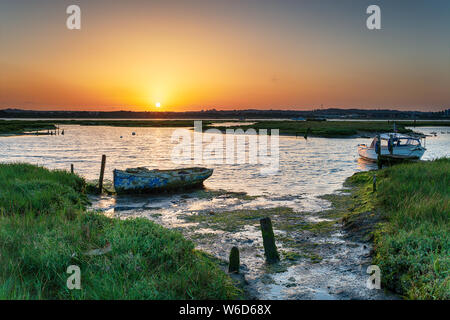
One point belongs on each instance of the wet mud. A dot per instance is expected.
(319, 258)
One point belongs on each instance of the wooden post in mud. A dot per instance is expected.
(102, 172)
(233, 266)
(374, 183)
(71, 168)
(270, 249)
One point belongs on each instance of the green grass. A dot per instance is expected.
(20, 126)
(412, 245)
(44, 228)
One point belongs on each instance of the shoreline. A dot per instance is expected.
(407, 228)
(320, 129)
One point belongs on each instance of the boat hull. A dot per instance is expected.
(141, 180)
(406, 152)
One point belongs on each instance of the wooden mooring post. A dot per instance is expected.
(233, 266)
(102, 173)
(71, 168)
(270, 249)
(306, 134)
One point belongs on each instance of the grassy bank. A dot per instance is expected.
(20, 126)
(412, 233)
(329, 129)
(45, 228)
(336, 129)
(131, 123)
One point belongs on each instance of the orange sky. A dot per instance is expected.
(246, 54)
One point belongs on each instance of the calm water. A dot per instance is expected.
(308, 168)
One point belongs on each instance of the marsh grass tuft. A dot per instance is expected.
(44, 228)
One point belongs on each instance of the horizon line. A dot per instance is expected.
(225, 110)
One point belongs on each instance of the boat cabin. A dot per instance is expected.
(397, 140)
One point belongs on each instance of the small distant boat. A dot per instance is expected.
(143, 180)
(403, 147)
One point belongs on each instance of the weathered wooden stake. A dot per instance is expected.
(374, 183)
(270, 249)
(71, 168)
(102, 172)
(233, 266)
(306, 134)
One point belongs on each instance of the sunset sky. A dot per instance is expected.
(228, 54)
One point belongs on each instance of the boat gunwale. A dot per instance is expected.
(192, 170)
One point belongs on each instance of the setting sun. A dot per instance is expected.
(158, 104)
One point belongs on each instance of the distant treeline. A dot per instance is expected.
(232, 114)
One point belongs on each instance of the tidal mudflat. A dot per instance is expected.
(318, 260)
